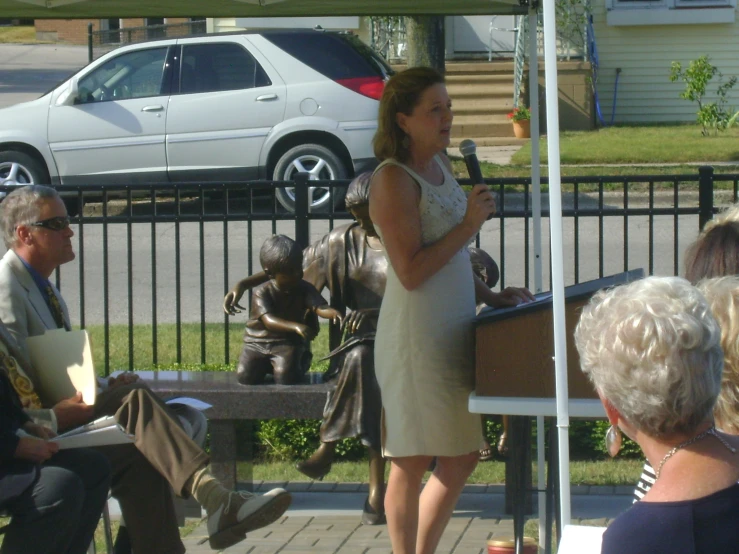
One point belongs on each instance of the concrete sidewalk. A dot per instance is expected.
(330, 522)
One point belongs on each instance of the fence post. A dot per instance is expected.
(705, 195)
(302, 223)
(89, 43)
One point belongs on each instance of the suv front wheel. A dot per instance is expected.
(322, 165)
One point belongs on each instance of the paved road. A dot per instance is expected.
(203, 277)
(29, 70)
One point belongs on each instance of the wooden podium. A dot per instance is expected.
(515, 346)
(514, 356)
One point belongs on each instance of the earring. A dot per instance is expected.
(406, 142)
(613, 440)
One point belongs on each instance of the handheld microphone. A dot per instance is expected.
(468, 149)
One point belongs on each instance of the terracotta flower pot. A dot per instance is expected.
(522, 128)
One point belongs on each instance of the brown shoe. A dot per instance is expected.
(243, 512)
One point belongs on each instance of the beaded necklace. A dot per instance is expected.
(710, 431)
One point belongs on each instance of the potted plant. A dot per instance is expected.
(521, 118)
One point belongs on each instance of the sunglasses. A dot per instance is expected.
(53, 223)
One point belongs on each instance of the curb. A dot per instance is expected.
(473, 488)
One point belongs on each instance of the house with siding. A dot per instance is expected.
(641, 38)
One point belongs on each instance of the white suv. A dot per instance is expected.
(215, 108)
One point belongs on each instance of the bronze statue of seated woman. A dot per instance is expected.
(350, 262)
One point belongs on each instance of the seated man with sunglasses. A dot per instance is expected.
(37, 234)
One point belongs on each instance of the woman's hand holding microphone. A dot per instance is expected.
(480, 206)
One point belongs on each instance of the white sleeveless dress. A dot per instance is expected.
(424, 347)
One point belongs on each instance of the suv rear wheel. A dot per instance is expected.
(322, 164)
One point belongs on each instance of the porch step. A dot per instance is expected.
(454, 68)
(477, 126)
(467, 90)
(501, 66)
(482, 106)
(479, 78)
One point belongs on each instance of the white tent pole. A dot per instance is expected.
(536, 213)
(555, 223)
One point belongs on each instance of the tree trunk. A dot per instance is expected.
(425, 36)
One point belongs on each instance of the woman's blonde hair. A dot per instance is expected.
(722, 294)
(730, 214)
(402, 93)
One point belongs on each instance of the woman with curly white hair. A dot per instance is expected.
(652, 350)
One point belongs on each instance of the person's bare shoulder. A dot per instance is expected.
(392, 180)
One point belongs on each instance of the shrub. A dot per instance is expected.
(697, 77)
(296, 439)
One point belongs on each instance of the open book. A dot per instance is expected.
(101, 432)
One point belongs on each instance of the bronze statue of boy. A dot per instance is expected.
(283, 318)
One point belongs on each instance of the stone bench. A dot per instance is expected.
(234, 402)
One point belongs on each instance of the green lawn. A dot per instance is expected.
(614, 472)
(190, 344)
(490, 170)
(21, 35)
(658, 144)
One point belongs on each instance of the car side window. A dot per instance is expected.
(217, 67)
(131, 75)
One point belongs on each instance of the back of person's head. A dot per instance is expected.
(722, 294)
(727, 215)
(484, 266)
(280, 254)
(652, 349)
(357, 193)
(402, 94)
(22, 207)
(715, 253)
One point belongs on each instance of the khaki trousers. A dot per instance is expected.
(162, 455)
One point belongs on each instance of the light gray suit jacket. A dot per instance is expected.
(23, 309)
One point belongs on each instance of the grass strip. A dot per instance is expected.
(607, 472)
(648, 144)
(24, 34)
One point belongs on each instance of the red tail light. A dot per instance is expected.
(367, 86)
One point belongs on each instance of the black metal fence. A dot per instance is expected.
(103, 41)
(151, 258)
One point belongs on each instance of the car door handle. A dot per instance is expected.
(152, 108)
(266, 97)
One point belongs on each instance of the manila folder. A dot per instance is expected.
(63, 362)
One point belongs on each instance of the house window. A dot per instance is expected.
(669, 12)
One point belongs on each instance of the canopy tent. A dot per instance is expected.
(94, 9)
(296, 8)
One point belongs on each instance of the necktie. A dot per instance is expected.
(21, 383)
(56, 308)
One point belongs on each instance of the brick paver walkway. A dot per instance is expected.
(344, 534)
